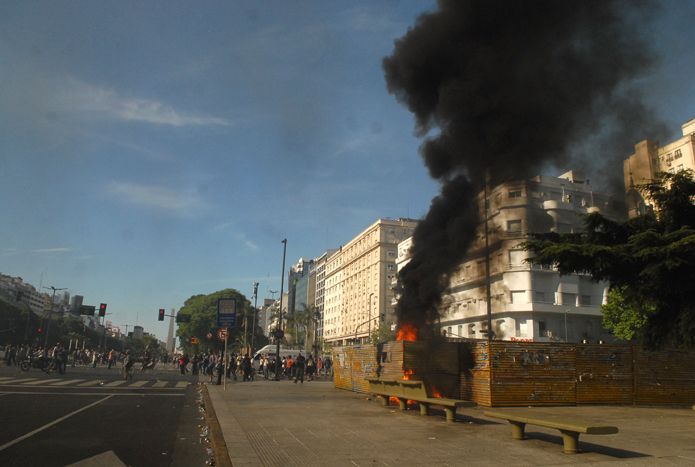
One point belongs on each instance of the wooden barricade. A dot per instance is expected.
(604, 374)
(503, 373)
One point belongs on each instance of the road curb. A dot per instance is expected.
(219, 446)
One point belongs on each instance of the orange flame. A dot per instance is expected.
(408, 373)
(393, 400)
(406, 332)
(436, 393)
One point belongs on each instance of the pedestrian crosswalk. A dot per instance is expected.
(92, 383)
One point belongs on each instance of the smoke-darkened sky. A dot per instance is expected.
(504, 89)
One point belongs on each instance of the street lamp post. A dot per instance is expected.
(50, 313)
(278, 337)
(255, 312)
(566, 311)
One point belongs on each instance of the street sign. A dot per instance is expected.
(226, 312)
(87, 310)
(222, 334)
(194, 340)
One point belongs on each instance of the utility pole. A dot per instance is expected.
(278, 332)
(50, 314)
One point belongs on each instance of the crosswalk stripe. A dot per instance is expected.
(114, 383)
(21, 380)
(42, 381)
(138, 384)
(66, 382)
(90, 383)
(182, 384)
(159, 384)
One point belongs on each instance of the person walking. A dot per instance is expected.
(128, 363)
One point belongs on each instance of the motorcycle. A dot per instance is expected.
(40, 363)
(148, 364)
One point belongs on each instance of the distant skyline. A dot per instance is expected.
(151, 151)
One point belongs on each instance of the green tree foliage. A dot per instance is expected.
(383, 333)
(649, 262)
(203, 312)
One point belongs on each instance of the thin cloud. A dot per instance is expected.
(248, 243)
(239, 236)
(176, 202)
(52, 250)
(85, 97)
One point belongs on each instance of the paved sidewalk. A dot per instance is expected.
(272, 423)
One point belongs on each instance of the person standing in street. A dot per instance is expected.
(298, 366)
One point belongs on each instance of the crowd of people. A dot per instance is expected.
(58, 357)
(245, 368)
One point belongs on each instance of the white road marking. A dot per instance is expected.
(43, 381)
(182, 384)
(159, 384)
(138, 384)
(54, 422)
(105, 458)
(114, 383)
(66, 382)
(90, 383)
(141, 394)
(13, 381)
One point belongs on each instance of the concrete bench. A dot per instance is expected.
(405, 390)
(569, 427)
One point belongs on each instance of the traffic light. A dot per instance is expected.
(161, 314)
(102, 310)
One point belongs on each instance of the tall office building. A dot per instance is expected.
(358, 292)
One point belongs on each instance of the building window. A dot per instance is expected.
(460, 330)
(514, 226)
(519, 296)
(678, 154)
(471, 330)
(539, 297)
(680, 167)
(516, 257)
(586, 300)
(542, 329)
(569, 299)
(515, 194)
(521, 328)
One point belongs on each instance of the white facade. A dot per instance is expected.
(358, 292)
(528, 303)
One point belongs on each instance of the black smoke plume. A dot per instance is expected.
(504, 88)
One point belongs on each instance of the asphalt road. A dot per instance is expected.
(92, 417)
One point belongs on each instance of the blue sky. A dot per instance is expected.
(150, 151)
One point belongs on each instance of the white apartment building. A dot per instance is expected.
(357, 291)
(649, 159)
(528, 303)
(12, 288)
(319, 283)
